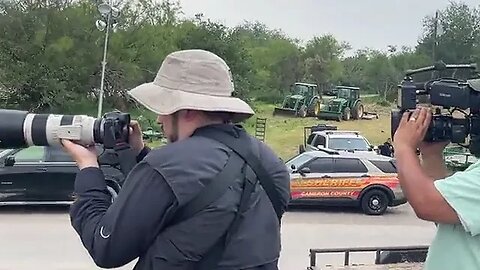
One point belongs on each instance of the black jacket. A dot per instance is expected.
(136, 224)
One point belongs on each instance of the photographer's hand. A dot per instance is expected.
(84, 157)
(412, 130)
(136, 138)
(418, 187)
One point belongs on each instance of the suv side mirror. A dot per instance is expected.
(10, 161)
(303, 171)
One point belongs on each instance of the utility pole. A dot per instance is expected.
(104, 63)
(109, 17)
(434, 46)
(435, 42)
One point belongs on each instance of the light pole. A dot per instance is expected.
(110, 14)
(435, 33)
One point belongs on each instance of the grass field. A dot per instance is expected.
(285, 134)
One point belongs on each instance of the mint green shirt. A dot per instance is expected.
(458, 246)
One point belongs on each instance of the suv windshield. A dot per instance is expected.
(299, 159)
(357, 144)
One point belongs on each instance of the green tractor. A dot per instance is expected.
(303, 101)
(345, 105)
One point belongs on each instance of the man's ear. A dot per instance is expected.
(190, 115)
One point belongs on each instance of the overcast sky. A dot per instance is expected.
(362, 23)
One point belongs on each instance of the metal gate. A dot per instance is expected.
(399, 253)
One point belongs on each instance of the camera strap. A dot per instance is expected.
(126, 158)
(215, 189)
(214, 255)
(242, 146)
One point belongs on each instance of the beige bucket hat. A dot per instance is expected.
(192, 79)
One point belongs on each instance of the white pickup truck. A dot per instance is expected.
(323, 136)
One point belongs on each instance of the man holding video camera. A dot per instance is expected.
(212, 198)
(450, 200)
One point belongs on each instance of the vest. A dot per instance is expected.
(187, 166)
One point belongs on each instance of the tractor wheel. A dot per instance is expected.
(314, 108)
(302, 112)
(346, 114)
(317, 107)
(358, 111)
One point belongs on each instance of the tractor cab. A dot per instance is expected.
(349, 94)
(303, 89)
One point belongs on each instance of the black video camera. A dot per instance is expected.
(446, 95)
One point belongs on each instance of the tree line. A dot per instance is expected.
(51, 52)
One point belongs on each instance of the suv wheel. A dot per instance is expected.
(374, 202)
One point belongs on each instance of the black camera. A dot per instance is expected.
(22, 129)
(449, 98)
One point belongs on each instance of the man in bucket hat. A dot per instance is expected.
(210, 199)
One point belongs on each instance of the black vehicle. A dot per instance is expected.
(44, 175)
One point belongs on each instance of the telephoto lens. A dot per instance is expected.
(22, 129)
